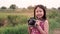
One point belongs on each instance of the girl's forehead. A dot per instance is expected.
(38, 8)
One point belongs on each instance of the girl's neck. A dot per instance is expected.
(39, 19)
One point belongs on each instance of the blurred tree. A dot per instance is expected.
(53, 8)
(30, 7)
(58, 8)
(45, 7)
(13, 6)
(3, 7)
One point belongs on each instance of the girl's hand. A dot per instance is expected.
(31, 27)
(37, 22)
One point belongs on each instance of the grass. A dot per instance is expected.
(6, 14)
(19, 29)
(53, 18)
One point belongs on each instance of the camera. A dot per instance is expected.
(32, 21)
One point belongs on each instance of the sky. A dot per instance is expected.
(26, 3)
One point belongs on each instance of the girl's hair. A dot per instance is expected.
(42, 7)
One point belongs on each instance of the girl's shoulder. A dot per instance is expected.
(46, 22)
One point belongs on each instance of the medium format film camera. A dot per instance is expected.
(32, 21)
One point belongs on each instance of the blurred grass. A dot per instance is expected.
(52, 15)
(19, 29)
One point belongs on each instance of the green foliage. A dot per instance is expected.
(19, 29)
(3, 22)
(19, 22)
(53, 14)
(14, 19)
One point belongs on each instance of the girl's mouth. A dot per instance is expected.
(39, 15)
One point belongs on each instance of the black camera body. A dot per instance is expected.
(32, 21)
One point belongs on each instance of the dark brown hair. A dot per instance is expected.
(42, 7)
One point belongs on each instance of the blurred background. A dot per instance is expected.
(15, 13)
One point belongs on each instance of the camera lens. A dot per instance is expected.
(31, 21)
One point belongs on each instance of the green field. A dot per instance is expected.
(21, 24)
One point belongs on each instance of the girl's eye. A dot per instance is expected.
(36, 11)
(40, 11)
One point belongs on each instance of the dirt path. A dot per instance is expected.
(56, 31)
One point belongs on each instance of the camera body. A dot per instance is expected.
(32, 21)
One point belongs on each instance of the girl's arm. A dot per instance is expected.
(46, 28)
(29, 30)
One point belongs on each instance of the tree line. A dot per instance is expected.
(13, 6)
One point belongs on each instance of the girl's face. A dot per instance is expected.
(39, 12)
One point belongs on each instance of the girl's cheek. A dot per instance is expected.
(42, 14)
(36, 14)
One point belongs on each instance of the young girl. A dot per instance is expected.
(42, 23)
